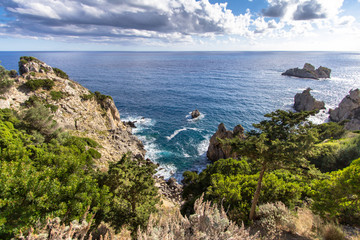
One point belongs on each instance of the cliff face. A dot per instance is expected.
(348, 109)
(76, 109)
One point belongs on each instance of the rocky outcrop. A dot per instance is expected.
(216, 150)
(170, 189)
(195, 114)
(308, 71)
(348, 109)
(78, 111)
(306, 102)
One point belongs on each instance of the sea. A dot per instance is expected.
(158, 90)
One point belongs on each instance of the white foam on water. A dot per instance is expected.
(321, 117)
(176, 132)
(141, 123)
(166, 170)
(203, 145)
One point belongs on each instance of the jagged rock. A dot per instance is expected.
(216, 150)
(195, 113)
(308, 71)
(306, 102)
(348, 109)
(31, 64)
(170, 189)
(131, 124)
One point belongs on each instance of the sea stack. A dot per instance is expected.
(308, 71)
(306, 102)
(195, 113)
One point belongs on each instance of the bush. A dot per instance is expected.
(335, 154)
(34, 84)
(57, 95)
(87, 96)
(27, 59)
(94, 154)
(207, 222)
(12, 73)
(5, 82)
(60, 73)
(274, 218)
(333, 232)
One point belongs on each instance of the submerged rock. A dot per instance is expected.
(306, 102)
(348, 109)
(216, 150)
(195, 113)
(308, 71)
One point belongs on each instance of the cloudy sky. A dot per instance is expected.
(161, 25)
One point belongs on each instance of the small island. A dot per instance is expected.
(308, 71)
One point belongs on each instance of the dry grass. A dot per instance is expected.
(333, 232)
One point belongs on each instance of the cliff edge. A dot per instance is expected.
(75, 108)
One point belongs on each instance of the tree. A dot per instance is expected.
(134, 193)
(281, 142)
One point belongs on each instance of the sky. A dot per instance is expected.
(179, 25)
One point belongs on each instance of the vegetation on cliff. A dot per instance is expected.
(46, 173)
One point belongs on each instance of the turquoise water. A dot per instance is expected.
(160, 89)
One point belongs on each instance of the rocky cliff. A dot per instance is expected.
(74, 107)
(216, 150)
(306, 102)
(308, 71)
(349, 110)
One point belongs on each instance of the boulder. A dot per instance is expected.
(216, 150)
(31, 64)
(348, 109)
(308, 71)
(306, 102)
(195, 113)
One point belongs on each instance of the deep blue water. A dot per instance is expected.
(159, 89)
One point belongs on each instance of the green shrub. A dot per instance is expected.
(32, 101)
(27, 59)
(5, 82)
(52, 107)
(12, 73)
(87, 96)
(101, 97)
(335, 154)
(94, 154)
(60, 73)
(57, 95)
(34, 84)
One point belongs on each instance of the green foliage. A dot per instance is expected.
(52, 107)
(5, 82)
(232, 183)
(39, 118)
(27, 59)
(333, 155)
(34, 84)
(39, 181)
(281, 142)
(101, 97)
(12, 73)
(60, 73)
(330, 130)
(94, 154)
(57, 95)
(134, 193)
(338, 196)
(87, 96)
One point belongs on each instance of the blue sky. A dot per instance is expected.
(166, 25)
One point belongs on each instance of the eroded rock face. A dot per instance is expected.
(308, 71)
(99, 120)
(306, 102)
(216, 150)
(195, 114)
(348, 109)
